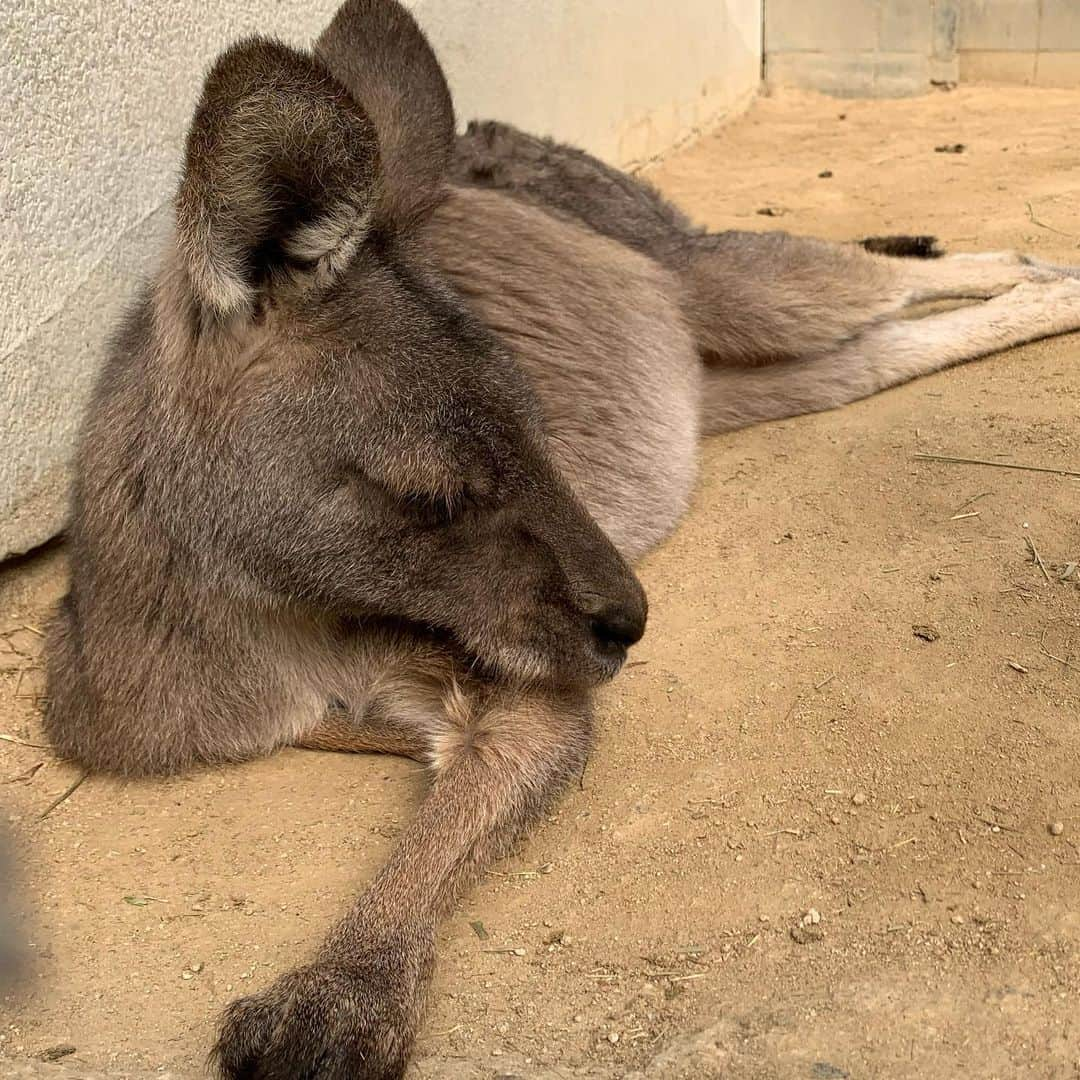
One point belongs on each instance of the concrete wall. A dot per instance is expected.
(860, 48)
(1028, 42)
(96, 98)
(886, 48)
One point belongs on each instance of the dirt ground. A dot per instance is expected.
(783, 750)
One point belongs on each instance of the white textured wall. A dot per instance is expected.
(96, 97)
(623, 78)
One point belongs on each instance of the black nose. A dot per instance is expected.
(618, 627)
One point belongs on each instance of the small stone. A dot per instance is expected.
(613, 1037)
(825, 174)
(958, 919)
(186, 975)
(822, 1070)
(858, 799)
(519, 952)
(196, 968)
(55, 1053)
(804, 935)
(1056, 828)
(925, 633)
(835, 819)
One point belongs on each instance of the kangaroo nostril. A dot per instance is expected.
(618, 627)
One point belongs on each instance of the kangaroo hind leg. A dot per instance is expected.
(977, 276)
(888, 354)
(764, 298)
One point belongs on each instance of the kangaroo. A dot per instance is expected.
(373, 452)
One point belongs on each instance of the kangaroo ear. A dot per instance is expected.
(380, 55)
(280, 175)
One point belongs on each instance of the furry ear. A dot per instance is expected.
(380, 55)
(280, 175)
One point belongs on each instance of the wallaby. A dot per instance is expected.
(372, 453)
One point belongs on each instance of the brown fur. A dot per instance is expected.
(371, 454)
(600, 332)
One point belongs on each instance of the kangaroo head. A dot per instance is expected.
(331, 427)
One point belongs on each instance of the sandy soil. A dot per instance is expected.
(782, 742)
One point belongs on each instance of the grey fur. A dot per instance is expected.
(373, 451)
(12, 938)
